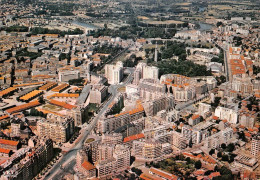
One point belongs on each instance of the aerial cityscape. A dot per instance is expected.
(129, 89)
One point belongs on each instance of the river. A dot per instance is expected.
(86, 25)
(205, 26)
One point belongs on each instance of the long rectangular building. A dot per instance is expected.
(119, 120)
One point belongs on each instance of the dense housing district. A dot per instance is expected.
(151, 90)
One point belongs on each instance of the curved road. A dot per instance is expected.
(67, 162)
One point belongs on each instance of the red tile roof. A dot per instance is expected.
(199, 172)
(139, 108)
(247, 134)
(4, 117)
(188, 154)
(6, 91)
(214, 174)
(48, 85)
(62, 104)
(65, 95)
(23, 107)
(147, 177)
(195, 116)
(163, 174)
(133, 137)
(87, 165)
(215, 117)
(9, 142)
(5, 151)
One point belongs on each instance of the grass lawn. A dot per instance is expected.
(52, 107)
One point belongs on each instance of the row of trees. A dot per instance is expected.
(124, 32)
(15, 29)
(186, 68)
(256, 69)
(39, 30)
(133, 32)
(76, 82)
(181, 66)
(132, 61)
(108, 49)
(144, 24)
(220, 59)
(173, 166)
(157, 32)
(25, 53)
(34, 112)
(174, 49)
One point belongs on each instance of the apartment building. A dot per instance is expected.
(119, 162)
(197, 133)
(157, 105)
(214, 141)
(16, 126)
(242, 84)
(195, 119)
(231, 115)
(179, 141)
(114, 73)
(255, 146)
(143, 71)
(66, 75)
(204, 109)
(98, 94)
(182, 87)
(112, 138)
(147, 150)
(112, 123)
(92, 145)
(58, 128)
(9, 144)
(87, 169)
(247, 118)
(39, 155)
(150, 89)
(79, 114)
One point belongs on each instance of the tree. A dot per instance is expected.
(215, 59)
(198, 164)
(147, 164)
(216, 102)
(256, 69)
(62, 56)
(223, 146)
(137, 171)
(241, 135)
(230, 147)
(222, 79)
(219, 24)
(188, 52)
(132, 159)
(219, 154)
(225, 171)
(225, 157)
(188, 160)
(208, 172)
(76, 81)
(212, 151)
(132, 177)
(231, 159)
(171, 91)
(190, 143)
